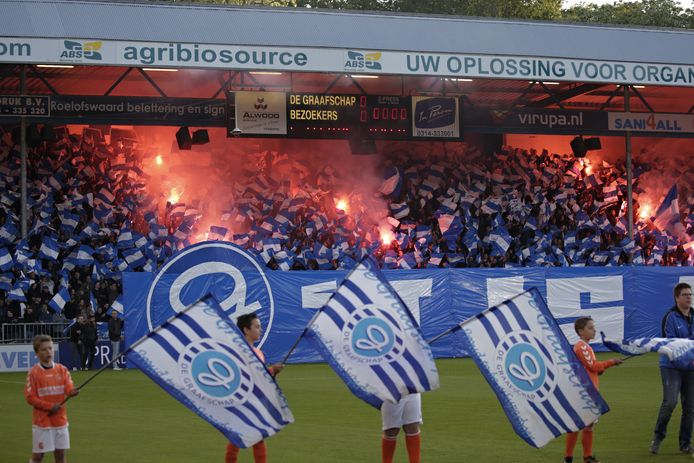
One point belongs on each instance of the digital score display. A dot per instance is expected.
(347, 116)
(385, 117)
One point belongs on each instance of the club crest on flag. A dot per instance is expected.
(525, 366)
(369, 336)
(526, 359)
(371, 340)
(202, 359)
(212, 373)
(223, 270)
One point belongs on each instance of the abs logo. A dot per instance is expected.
(525, 366)
(223, 270)
(358, 61)
(371, 335)
(77, 51)
(212, 373)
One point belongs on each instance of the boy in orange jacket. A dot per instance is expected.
(48, 383)
(585, 328)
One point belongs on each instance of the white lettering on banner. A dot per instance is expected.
(604, 292)
(104, 352)
(502, 289)
(410, 291)
(21, 357)
(687, 279)
(550, 120)
(316, 296)
(194, 55)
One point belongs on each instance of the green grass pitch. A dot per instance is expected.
(122, 416)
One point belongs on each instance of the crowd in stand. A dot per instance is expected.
(91, 217)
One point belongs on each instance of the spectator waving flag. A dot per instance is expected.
(680, 351)
(16, 294)
(49, 248)
(370, 338)
(523, 354)
(117, 307)
(392, 181)
(61, 298)
(203, 360)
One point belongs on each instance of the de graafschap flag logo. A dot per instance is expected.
(371, 340)
(201, 358)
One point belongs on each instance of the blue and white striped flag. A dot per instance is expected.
(117, 307)
(6, 281)
(370, 338)
(400, 210)
(668, 212)
(83, 257)
(8, 232)
(6, 262)
(49, 248)
(68, 222)
(203, 360)
(217, 233)
(523, 354)
(680, 351)
(61, 298)
(16, 293)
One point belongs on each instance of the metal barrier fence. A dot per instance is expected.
(24, 332)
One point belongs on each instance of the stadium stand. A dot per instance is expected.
(93, 217)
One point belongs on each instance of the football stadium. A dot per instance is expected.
(253, 234)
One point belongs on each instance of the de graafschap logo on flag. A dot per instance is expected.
(223, 270)
(201, 358)
(370, 339)
(525, 366)
(369, 336)
(211, 373)
(525, 357)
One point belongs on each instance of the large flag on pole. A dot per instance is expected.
(523, 354)
(372, 341)
(680, 351)
(201, 358)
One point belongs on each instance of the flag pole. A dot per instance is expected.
(303, 333)
(448, 331)
(467, 320)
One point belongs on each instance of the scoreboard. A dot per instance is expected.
(341, 116)
(315, 115)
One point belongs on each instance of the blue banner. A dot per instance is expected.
(625, 302)
(70, 357)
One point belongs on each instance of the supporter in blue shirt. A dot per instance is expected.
(677, 323)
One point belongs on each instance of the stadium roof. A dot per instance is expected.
(224, 25)
(388, 45)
